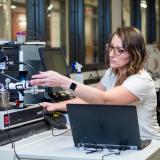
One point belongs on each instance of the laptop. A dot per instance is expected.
(104, 126)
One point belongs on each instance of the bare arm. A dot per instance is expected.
(61, 106)
(117, 95)
(100, 86)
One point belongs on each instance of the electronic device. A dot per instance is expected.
(17, 61)
(17, 64)
(56, 119)
(54, 59)
(18, 117)
(105, 126)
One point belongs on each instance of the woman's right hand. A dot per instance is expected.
(49, 106)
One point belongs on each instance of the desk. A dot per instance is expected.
(44, 146)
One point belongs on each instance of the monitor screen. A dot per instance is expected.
(54, 59)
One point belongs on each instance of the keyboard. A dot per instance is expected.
(61, 96)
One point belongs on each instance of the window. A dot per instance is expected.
(19, 21)
(143, 18)
(12, 18)
(158, 21)
(5, 20)
(56, 23)
(80, 27)
(126, 13)
(91, 31)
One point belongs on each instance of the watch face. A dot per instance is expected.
(73, 86)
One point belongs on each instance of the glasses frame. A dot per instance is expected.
(117, 50)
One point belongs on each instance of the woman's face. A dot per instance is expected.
(118, 56)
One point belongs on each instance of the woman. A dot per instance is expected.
(125, 82)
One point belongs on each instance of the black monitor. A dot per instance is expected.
(54, 59)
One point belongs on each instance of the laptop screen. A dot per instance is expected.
(110, 126)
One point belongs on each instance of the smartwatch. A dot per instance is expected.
(72, 87)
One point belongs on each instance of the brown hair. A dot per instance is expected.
(133, 42)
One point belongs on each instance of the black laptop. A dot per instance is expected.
(104, 126)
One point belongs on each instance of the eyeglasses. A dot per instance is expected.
(117, 50)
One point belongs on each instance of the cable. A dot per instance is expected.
(93, 150)
(55, 135)
(111, 152)
(54, 122)
(7, 131)
(30, 66)
(98, 76)
(13, 143)
(10, 77)
(26, 158)
(15, 78)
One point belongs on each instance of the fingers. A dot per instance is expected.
(41, 78)
(38, 82)
(48, 78)
(44, 105)
(41, 75)
(48, 106)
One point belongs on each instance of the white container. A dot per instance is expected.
(79, 77)
(21, 37)
(4, 98)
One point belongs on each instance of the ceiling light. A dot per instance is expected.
(13, 7)
(143, 4)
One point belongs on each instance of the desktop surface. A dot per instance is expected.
(62, 148)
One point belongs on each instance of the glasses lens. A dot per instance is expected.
(117, 51)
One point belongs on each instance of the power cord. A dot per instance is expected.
(112, 152)
(9, 77)
(93, 150)
(7, 131)
(96, 148)
(98, 76)
(30, 66)
(55, 135)
(11, 141)
(56, 120)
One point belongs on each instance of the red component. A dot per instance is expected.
(17, 102)
(6, 120)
